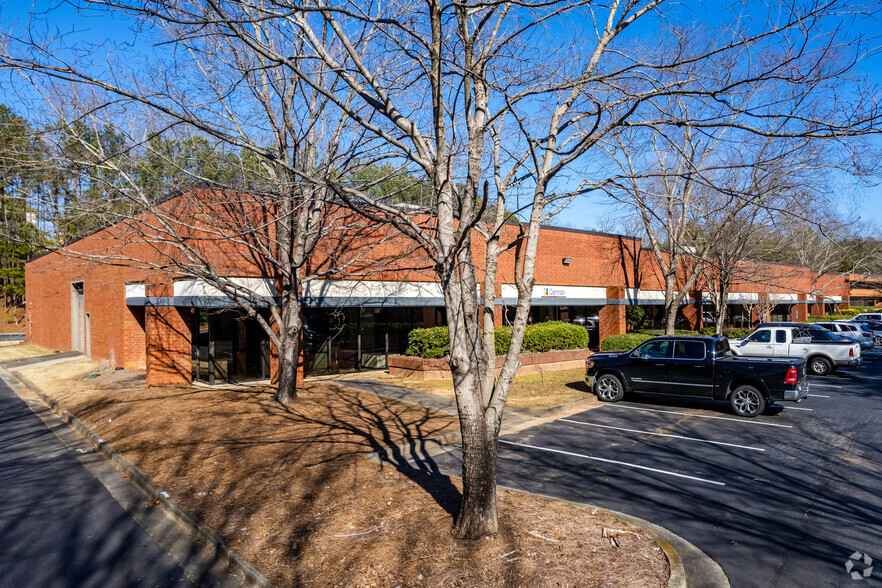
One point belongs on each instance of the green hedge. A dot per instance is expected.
(502, 339)
(624, 342)
(434, 342)
(552, 335)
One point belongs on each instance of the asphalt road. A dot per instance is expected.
(784, 499)
(59, 526)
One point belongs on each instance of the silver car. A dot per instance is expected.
(851, 331)
(875, 327)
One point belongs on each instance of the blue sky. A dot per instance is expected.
(856, 200)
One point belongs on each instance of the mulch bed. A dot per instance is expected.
(290, 490)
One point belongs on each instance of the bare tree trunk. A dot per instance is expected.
(721, 309)
(670, 317)
(477, 516)
(289, 348)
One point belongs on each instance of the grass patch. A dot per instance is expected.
(534, 391)
(15, 350)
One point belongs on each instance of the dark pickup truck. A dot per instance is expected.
(700, 367)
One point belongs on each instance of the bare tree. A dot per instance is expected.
(521, 93)
(272, 128)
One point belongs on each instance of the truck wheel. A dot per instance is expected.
(609, 388)
(819, 366)
(747, 401)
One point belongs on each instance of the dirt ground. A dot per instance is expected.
(534, 391)
(290, 489)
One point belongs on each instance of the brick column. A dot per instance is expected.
(169, 352)
(799, 311)
(692, 313)
(498, 311)
(612, 316)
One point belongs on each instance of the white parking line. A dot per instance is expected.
(703, 416)
(819, 395)
(664, 435)
(796, 408)
(622, 463)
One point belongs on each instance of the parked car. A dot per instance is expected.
(697, 367)
(875, 327)
(741, 322)
(869, 316)
(850, 331)
(822, 350)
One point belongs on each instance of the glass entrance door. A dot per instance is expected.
(228, 346)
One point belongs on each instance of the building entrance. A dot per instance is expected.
(228, 346)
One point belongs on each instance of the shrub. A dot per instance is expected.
(553, 335)
(433, 342)
(502, 339)
(635, 316)
(623, 342)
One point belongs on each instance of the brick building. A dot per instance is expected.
(97, 297)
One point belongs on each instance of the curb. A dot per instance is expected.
(197, 530)
(690, 566)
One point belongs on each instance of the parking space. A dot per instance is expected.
(782, 499)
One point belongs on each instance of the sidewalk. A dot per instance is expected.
(513, 419)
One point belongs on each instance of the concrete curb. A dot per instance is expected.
(690, 566)
(249, 573)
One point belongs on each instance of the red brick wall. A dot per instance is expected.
(612, 316)
(122, 335)
(168, 346)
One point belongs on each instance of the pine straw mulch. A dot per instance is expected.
(290, 489)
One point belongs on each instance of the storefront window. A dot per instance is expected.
(350, 339)
(228, 346)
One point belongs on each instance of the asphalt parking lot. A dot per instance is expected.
(784, 499)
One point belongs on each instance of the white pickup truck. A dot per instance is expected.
(822, 350)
